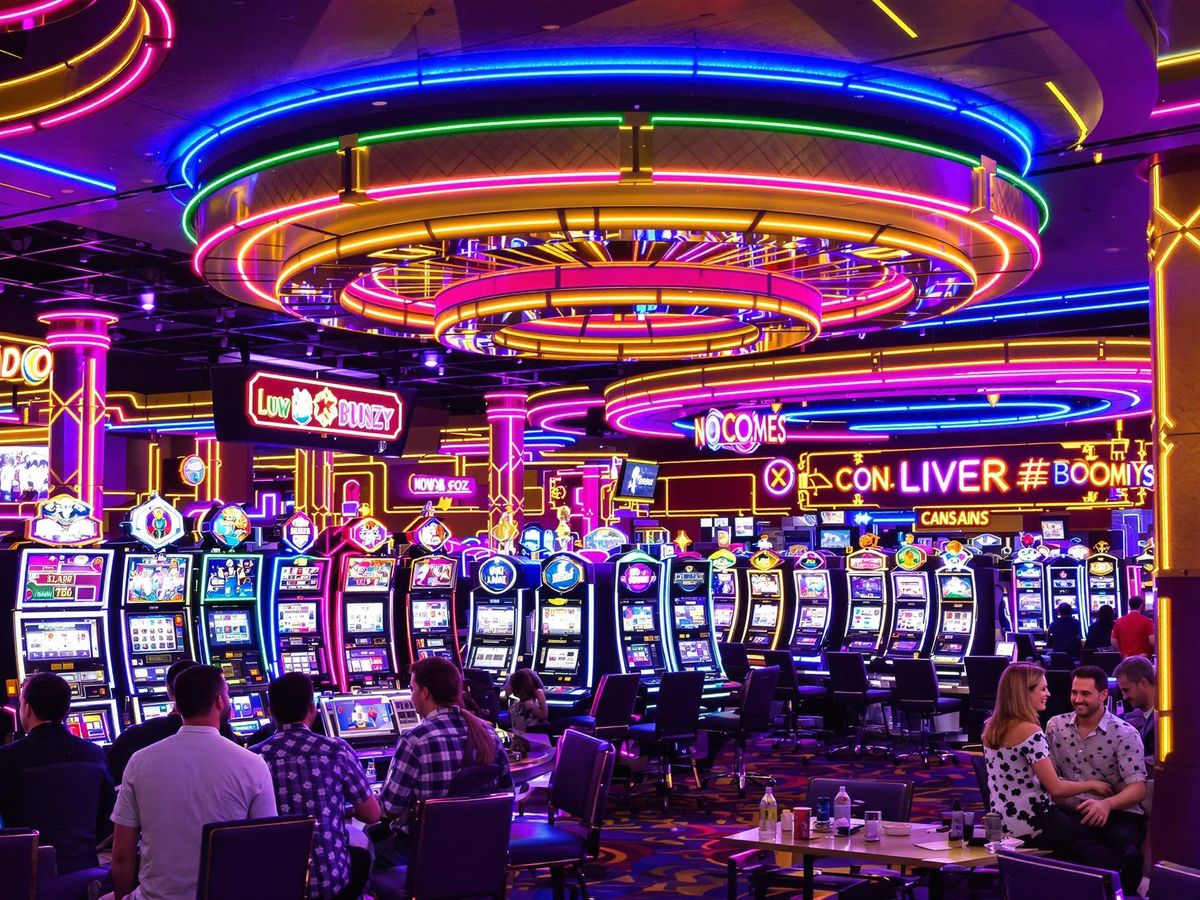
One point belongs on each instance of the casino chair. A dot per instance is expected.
(1036, 878)
(612, 709)
(1059, 683)
(983, 679)
(232, 856)
(674, 731)
(1108, 660)
(751, 717)
(849, 685)
(792, 693)
(19, 862)
(579, 788)
(1026, 651)
(1170, 881)
(979, 766)
(918, 694)
(43, 793)
(446, 833)
(734, 661)
(479, 686)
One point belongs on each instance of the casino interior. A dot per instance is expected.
(776, 382)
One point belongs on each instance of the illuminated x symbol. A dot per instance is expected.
(780, 476)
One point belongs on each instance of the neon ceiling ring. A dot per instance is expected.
(897, 389)
(621, 311)
(40, 11)
(551, 409)
(852, 85)
(116, 65)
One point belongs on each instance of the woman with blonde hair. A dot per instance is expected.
(1021, 778)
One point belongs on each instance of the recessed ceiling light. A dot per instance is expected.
(379, 103)
(68, 190)
(550, 28)
(147, 181)
(1113, 249)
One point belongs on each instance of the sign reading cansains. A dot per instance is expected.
(269, 407)
(1113, 473)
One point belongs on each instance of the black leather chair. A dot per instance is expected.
(918, 694)
(1059, 683)
(477, 781)
(734, 661)
(983, 678)
(893, 799)
(1060, 661)
(459, 849)
(19, 862)
(255, 858)
(752, 716)
(579, 788)
(1108, 660)
(48, 798)
(612, 709)
(1026, 651)
(1170, 881)
(1036, 878)
(673, 733)
(848, 685)
(479, 686)
(979, 765)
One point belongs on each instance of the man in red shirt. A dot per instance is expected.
(1133, 633)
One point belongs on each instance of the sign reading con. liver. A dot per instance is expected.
(267, 407)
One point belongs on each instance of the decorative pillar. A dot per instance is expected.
(1174, 237)
(506, 455)
(79, 342)
(314, 486)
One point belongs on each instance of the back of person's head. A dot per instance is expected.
(1064, 610)
(1014, 702)
(1136, 668)
(1094, 674)
(1105, 614)
(444, 682)
(177, 668)
(1135, 603)
(197, 689)
(290, 697)
(524, 683)
(48, 696)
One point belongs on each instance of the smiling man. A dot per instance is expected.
(1092, 743)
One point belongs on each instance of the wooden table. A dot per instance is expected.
(890, 851)
(537, 761)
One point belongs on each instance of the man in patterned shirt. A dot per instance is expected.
(317, 776)
(1093, 744)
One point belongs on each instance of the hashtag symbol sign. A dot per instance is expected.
(1032, 474)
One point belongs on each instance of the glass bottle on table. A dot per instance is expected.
(768, 815)
(957, 825)
(841, 812)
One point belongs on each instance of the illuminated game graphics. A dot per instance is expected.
(367, 534)
(229, 526)
(64, 521)
(298, 531)
(156, 523)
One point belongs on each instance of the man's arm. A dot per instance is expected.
(396, 796)
(358, 789)
(262, 803)
(124, 861)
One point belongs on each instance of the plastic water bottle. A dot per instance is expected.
(841, 812)
(957, 825)
(768, 815)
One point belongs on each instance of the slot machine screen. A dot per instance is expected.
(765, 616)
(956, 621)
(813, 616)
(156, 633)
(695, 653)
(766, 585)
(364, 618)
(365, 574)
(1054, 529)
(296, 579)
(562, 620)
(638, 656)
(866, 587)
(955, 587)
(60, 640)
(62, 577)
(723, 584)
(562, 659)
(300, 661)
(690, 615)
(156, 710)
(232, 627)
(910, 620)
(865, 618)
(495, 622)
(91, 725)
(637, 617)
(811, 587)
(910, 587)
(230, 577)
(366, 659)
(430, 614)
(1028, 571)
(723, 616)
(835, 538)
(246, 706)
(1102, 582)
(1029, 603)
(297, 617)
(156, 579)
(362, 717)
(491, 657)
(432, 572)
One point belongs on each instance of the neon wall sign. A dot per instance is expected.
(741, 431)
(440, 486)
(24, 362)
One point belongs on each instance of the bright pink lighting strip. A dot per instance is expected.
(49, 7)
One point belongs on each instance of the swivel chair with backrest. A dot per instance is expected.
(751, 717)
(232, 855)
(1036, 878)
(1108, 660)
(918, 694)
(612, 709)
(792, 693)
(734, 661)
(983, 679)
(479, 686)
(673, 733)
(848, 685)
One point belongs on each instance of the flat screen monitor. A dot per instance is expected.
(866, 587)
(723, 615)
(743, 526)
(957, 621)
(690, 615)
(228, 627)
(495, 621)
(812, 586)
(297, 579)
(562, 659)
(638, 617)
(865, 618)
(1007, 649)
(156, 632)
(1028, 571)
(562, 620)
(695, 653)
(364, 660)
(490, 657)
(835, 538)
(430, 614)
(156, 710)
(765, 615)
(910, 620)
(156, 579)
(639, 656)
(366, 574)
(60, 640)
(833, 517)
(432, 573)
(638, 480)
(246, 706)
(297, 617)
(766, 585)
(300, 661)
(364, 618)
(90, 724)
(813, 616)
(723, 584)
(361, 717)
(63, 577)
(955, 587)
(1054, 529)
(234, 576)
(910, 587)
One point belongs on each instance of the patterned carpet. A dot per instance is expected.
(649, 853)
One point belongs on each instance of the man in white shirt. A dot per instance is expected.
(172, 789)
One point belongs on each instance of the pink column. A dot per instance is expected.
(79, 342)
(593, 479)
(506, 454)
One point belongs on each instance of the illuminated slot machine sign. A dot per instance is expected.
(1064, 576)
(363, 619)
(725, 596)
(910, 624)
(868, 599)
(565, 630)
(688, 604)
(430, 614)
(957, 609)
(1102, 584)
(498, 603)
(767, 612)
(638, 616)
(814, 612)
(298, 599)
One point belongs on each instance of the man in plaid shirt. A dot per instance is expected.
(317, 776)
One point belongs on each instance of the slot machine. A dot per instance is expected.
(231, 636)
(910, 632)
(868, 601)
(688, 610)
(1141, 578)
(1030, 610)
(156, 613)
(430, 617)
(638, 617)
(60, 624)
(564, 634)
(1102, 582)
(769, 610)
(364, 624)
(1065, 584)
(814, 611)
(965, 615)
(728, 618)
(298, 602)
(499, 602)
(370, 723)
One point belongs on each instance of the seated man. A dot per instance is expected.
(172, 789)
(70, 824)
(1091, 744)
(317, 776)
(428, 757)
(135, 737)
(1139, 688)
(1133, 633)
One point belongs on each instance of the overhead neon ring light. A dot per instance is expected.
(899, 389)
(620, 311)
(83, 82)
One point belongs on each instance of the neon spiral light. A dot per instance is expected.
(548, 410)
(42, 11)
